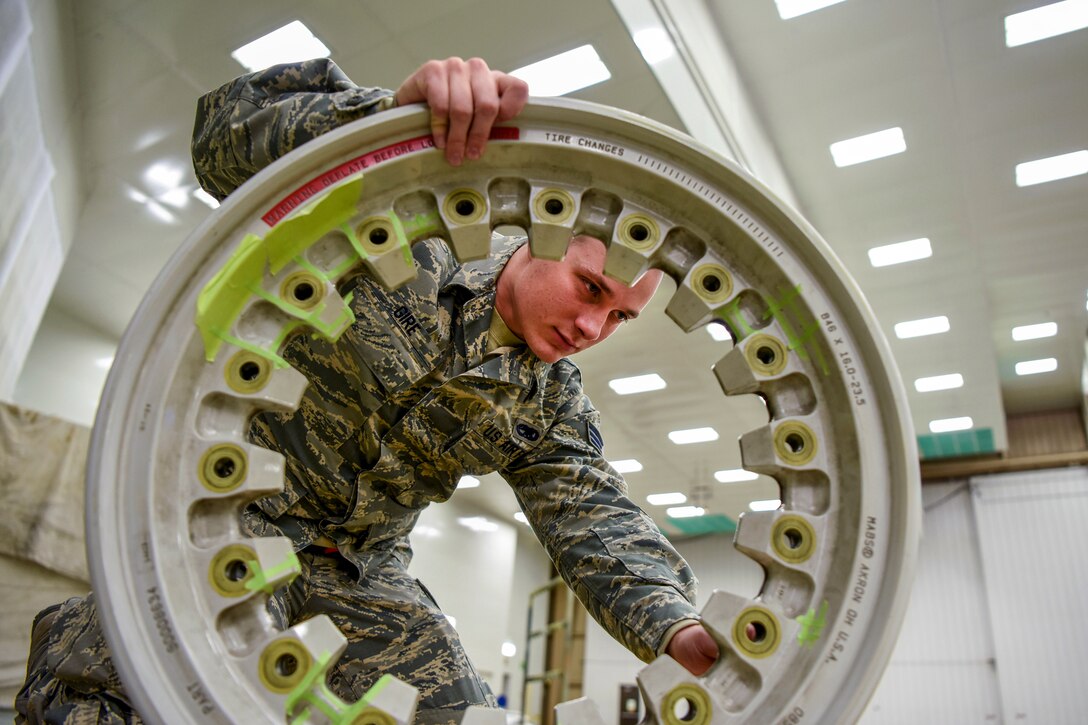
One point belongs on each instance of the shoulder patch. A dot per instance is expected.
(595, 438)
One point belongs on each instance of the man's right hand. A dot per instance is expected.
(466, 98)
(694, 648)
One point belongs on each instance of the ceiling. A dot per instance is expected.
(969, 107)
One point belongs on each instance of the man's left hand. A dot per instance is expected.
(694, 648)
(466, 98)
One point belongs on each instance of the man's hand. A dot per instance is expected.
(694, 648)
(466, 99)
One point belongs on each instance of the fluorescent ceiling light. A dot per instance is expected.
(1034, 332)
(479, 524)
(654, 44)
(1052, 169)
(509, 649)
(717, 331)
(666, 499)
(159, 211)
(637, 384)
(735, 475)
(104, 362)
(947, 425)
(938, 382)
(900, 252)
(626, 465)
(684, 512)
(767, 505)
(293, 42)
(520, 517)
(792, 8)
(1045, 22)
(429, 532)
(163, 176)
(177, 197)
(564, 73)
(468, 482)
(1033, 367)
(919, 328)
(868, 147)
(693, 435)
(205, 198)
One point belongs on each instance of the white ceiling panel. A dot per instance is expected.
(970, 110)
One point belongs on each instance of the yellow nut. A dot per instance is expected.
(756, 632)
(553, 205)
(638, 232)
(283, 664)
(229, 570)
(302, 289)
(795, 443)
(686, 704)
(247, 372)
(793, 539)
(373, 717)
(223, 468)
(712, 282)
(465, 206)
(766, 355)
(376, 235)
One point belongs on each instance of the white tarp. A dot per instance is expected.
(42, 555)
(42, 464)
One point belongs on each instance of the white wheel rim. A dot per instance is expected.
(150, 571)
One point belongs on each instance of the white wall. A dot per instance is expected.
(63, 375)
(483, 580)
(29, 260)
(996, 631)
(52, 48)
(1031, 529)
(469, 574)
(942, 669)
(40, 179)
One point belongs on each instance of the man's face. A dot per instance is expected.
(560, 308)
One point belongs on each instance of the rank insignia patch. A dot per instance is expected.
(595, 437)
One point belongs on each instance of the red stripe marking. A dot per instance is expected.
(319, 183)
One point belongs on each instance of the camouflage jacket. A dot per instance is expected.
(407, 401)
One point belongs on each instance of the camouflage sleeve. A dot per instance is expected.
(631, 580)
(250, 122)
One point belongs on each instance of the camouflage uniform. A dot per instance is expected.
(404, 404)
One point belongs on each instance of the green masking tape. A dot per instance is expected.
(290, 238)
(356, 714)
(812, 626)
(312, 316)
(262, 579)
(424, 225)
(272, 357)
(227, 293)
(329, 703)
(313, 691)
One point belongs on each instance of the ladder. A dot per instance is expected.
(564, 656)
